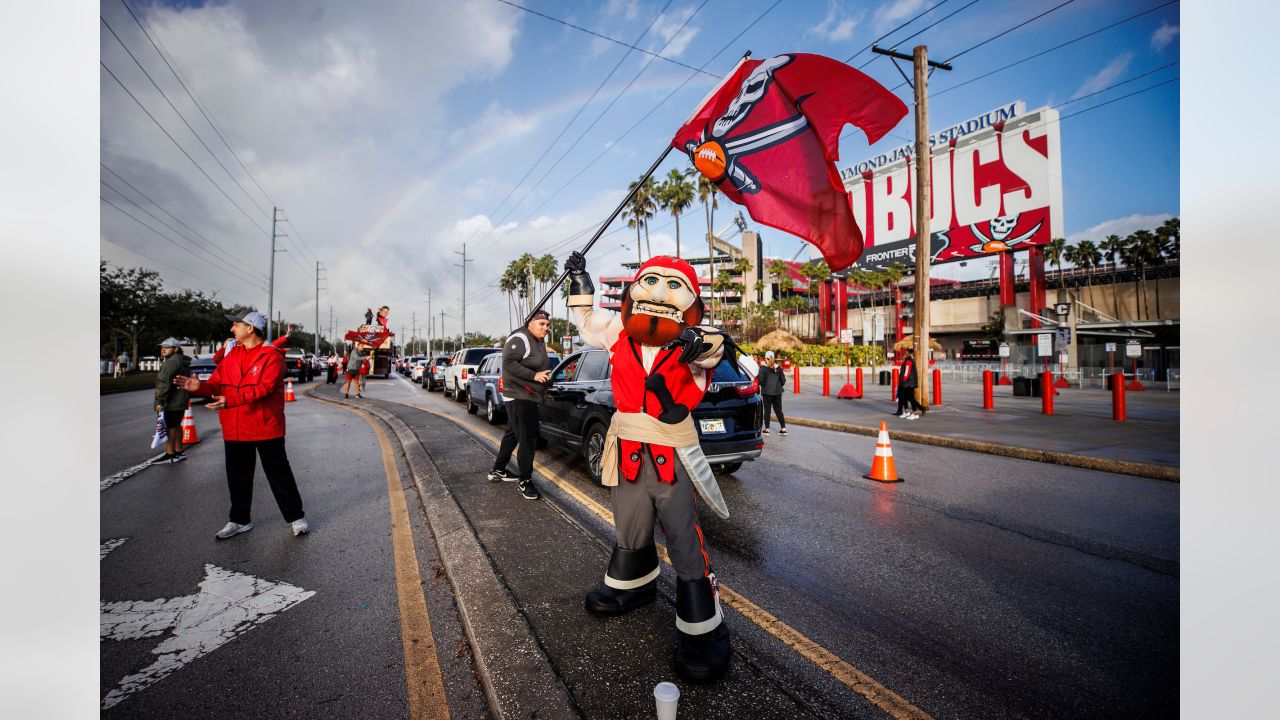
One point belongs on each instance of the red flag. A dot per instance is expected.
(768, 136)
(368, 335)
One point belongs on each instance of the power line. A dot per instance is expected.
(1006, 32)
(1055, 47)
(188, 273)
(1122, 97)
(917, 33)
(593, 33)
(178, 145)
(872, 44)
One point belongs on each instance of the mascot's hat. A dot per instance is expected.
(671, 263)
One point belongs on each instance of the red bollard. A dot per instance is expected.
(795, 376)
(858, 381)
(893, 387)
(937, 386)
(1046, 393)
(1117, 397)
(826, 381)
(988, 392)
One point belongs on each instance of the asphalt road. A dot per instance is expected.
(980, 587)
(305, 626)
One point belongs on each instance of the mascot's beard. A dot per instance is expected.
(653, 330)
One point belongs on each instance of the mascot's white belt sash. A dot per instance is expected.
(682, 436)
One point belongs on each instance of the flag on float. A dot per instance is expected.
(769, 137)
(162, 432)
(368, 335)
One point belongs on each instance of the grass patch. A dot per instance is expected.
(131, 381)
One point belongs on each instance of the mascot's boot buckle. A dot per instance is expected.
(631, 582)
(702, 638)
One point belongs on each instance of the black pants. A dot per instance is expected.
(773, 402)
(275, 463)
(522, 430)
(907, 395)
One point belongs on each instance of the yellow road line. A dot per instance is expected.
(427, 700)
(893, 705)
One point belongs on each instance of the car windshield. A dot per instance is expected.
(475, 355)
(442, 361)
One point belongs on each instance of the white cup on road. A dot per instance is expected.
(667, 695)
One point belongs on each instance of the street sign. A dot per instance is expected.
(1062, 309)
(1004, 350)
(1133, 349)
(1044, 344)
(566, 341)
(228, 604)
(889, 354)
(1111, 347)
(846, 336)
(1062, 357)
(1062, 337)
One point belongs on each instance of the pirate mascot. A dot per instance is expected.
(661, 361)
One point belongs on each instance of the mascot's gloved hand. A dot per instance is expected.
(691, 340)
(579, 281)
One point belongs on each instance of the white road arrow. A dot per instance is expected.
(228, 604)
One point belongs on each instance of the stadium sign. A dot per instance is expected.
(995, 189)
(1003, 113)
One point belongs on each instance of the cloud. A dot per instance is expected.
(494, 121)
(666, 27)
(1106, 76)
(1163, 35)
(895, 12)
(1118, 226)
(837, 26)
(540, 222)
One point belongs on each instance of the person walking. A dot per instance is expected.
(907, 388)
(525, 378)
(170, 400)
(355, 360)
(773, 381)
(247, 389)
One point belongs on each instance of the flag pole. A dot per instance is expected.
(600, 231)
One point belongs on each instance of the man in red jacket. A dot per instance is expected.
(247, 389)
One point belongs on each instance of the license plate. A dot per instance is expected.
(712, 426)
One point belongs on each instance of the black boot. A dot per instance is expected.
(702, 654)
(637, 572)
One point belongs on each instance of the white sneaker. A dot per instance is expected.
(301, 527)
(232, 529)
(911, 416)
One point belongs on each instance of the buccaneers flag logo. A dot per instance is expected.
(768, 136)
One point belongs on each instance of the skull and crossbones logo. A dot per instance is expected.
(1001, 229)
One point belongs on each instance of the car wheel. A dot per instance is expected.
(471, 406)
(458, 394)
(491, 411)
(593, 450)
(727, 468)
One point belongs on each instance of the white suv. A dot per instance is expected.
(461, 366)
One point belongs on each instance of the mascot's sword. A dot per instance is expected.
(599, 231)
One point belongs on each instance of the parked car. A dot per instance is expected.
(296, 365)
(433, 374)
(419, 366)
(484, 387)
(201, 368)
(149, 363)
(580, 404)
(461, 365)
(405, 364)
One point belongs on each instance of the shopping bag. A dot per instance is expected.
(162, 432)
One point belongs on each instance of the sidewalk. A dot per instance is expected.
(520, 570)
(1080, 428)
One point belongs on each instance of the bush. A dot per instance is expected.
(832, 355)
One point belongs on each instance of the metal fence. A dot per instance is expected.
(1083, 377)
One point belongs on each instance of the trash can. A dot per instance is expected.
(1021, 387)
(886, 377)
(1035, 386)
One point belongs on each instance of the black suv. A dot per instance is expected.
(580, 403)
(297, 366)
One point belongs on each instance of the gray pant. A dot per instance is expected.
(636, 504)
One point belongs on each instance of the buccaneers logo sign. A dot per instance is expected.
(769, 137)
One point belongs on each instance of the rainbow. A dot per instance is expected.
(418, 188)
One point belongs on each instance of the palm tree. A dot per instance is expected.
(1113, 248)
(1055, 252)
(545, 269)
(1134, 256)
(639, 210)
(1088, 257)
(780, 272)
(815, 271)
(507, 286)
(676, 195)
(707, 194)
(1166, 248)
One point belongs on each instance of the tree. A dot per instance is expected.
(1135, 255)
(707, 194)
(128, 300)
(1165, 247)
(642, 207)
(1113, 248)
(780, 272)
(1055, 252)
(545, 269)
(815, 271)
(676, 195)
(1088, 257)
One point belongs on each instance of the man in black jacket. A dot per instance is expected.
(525, 378)
(907, 388)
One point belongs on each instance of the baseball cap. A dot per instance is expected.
(252, 317)
(171, 343)
(768, 354)
(540, 315)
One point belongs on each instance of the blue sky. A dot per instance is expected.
(391, 133)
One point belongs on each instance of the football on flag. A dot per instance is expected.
(769, 136)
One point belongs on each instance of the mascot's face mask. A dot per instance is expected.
(658, 305)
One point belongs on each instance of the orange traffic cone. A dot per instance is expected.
(189, 434)
(882, 466)
(288, 392)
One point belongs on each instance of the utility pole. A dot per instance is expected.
(430, 323)
(920, 84)
(317, 333)
(463, 265)
(331, 342)
(413, 330)
(271, 276)
(441, 331)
